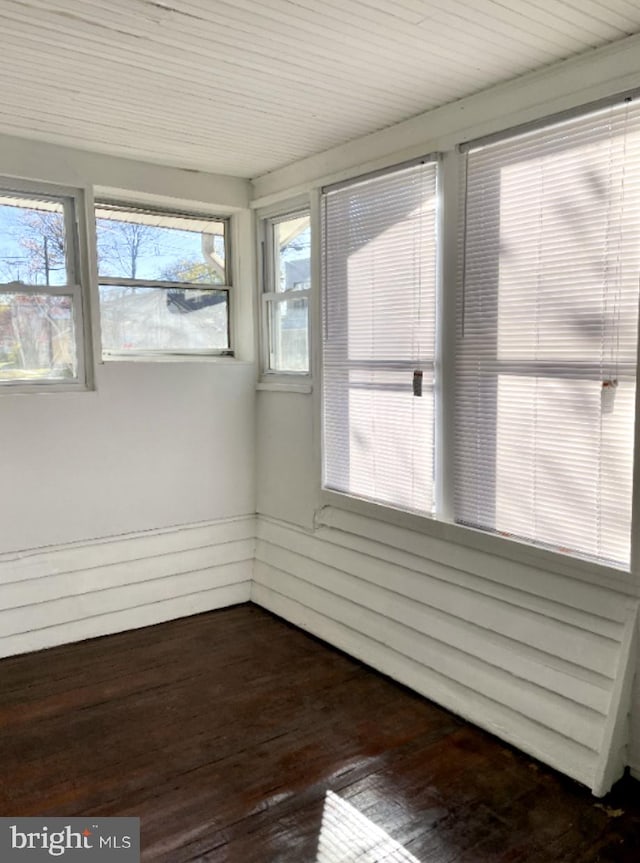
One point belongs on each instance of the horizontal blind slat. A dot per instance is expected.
(547, 333)
(379, 275)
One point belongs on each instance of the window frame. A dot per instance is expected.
(151, 355)
(429, 366)
(344, 511)
(270, 296)
(492, 368)
(73, 201)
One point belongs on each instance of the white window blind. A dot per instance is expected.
(379, 276)
(547, 332)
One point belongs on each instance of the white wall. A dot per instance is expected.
(379, 598)
(156, 445)
(286, 475)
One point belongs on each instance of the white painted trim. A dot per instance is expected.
(173, 358)
(281, 206)
(612, 753)
(281, 385)
(448, 198)
(315, 345)
(242, 298)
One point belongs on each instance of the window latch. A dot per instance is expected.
(417, 382)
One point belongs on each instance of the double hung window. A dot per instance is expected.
(41, 296)
(285, 299)
(540, 404)
(164, 282)
(547, 331)
(379, 285)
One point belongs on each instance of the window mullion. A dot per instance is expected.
(634, 553)
(450, 178)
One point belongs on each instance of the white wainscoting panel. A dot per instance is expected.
(66, 593)
(543, 661)
(634, 754)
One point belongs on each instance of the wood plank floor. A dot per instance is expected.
(224, 732)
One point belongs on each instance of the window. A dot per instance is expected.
(536, 403)
(164, 282)
(41, 299)
(379, 282)
(285, 300)
(547, 328)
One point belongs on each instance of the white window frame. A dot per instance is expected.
(339, 509)
(185, 353)
(428, 365)
(73, 201)
(269, 295)
(578, 370)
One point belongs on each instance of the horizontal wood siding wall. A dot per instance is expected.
(67, 593)
(535, 658)
(634, 755)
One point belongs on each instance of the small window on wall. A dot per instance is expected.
(164, 282)
(287, 284)
(41, 324)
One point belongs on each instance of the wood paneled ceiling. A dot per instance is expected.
(247, 86)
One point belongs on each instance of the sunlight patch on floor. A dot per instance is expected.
(347, 836)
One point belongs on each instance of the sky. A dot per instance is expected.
(160, 249)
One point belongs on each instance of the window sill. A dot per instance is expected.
(172, 358)
(44, 389)
(342, 512)
(303, 385)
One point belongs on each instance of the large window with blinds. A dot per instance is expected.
(537, 418)
(379, 274)
(547, 331)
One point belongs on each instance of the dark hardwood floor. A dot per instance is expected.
(235, 737)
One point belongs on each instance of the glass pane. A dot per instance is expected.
(32, 241)
(160, 248)
(162, 319)
(37, 339)
(292, 240)
(289, 335)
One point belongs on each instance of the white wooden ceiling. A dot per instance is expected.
(246, 86)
